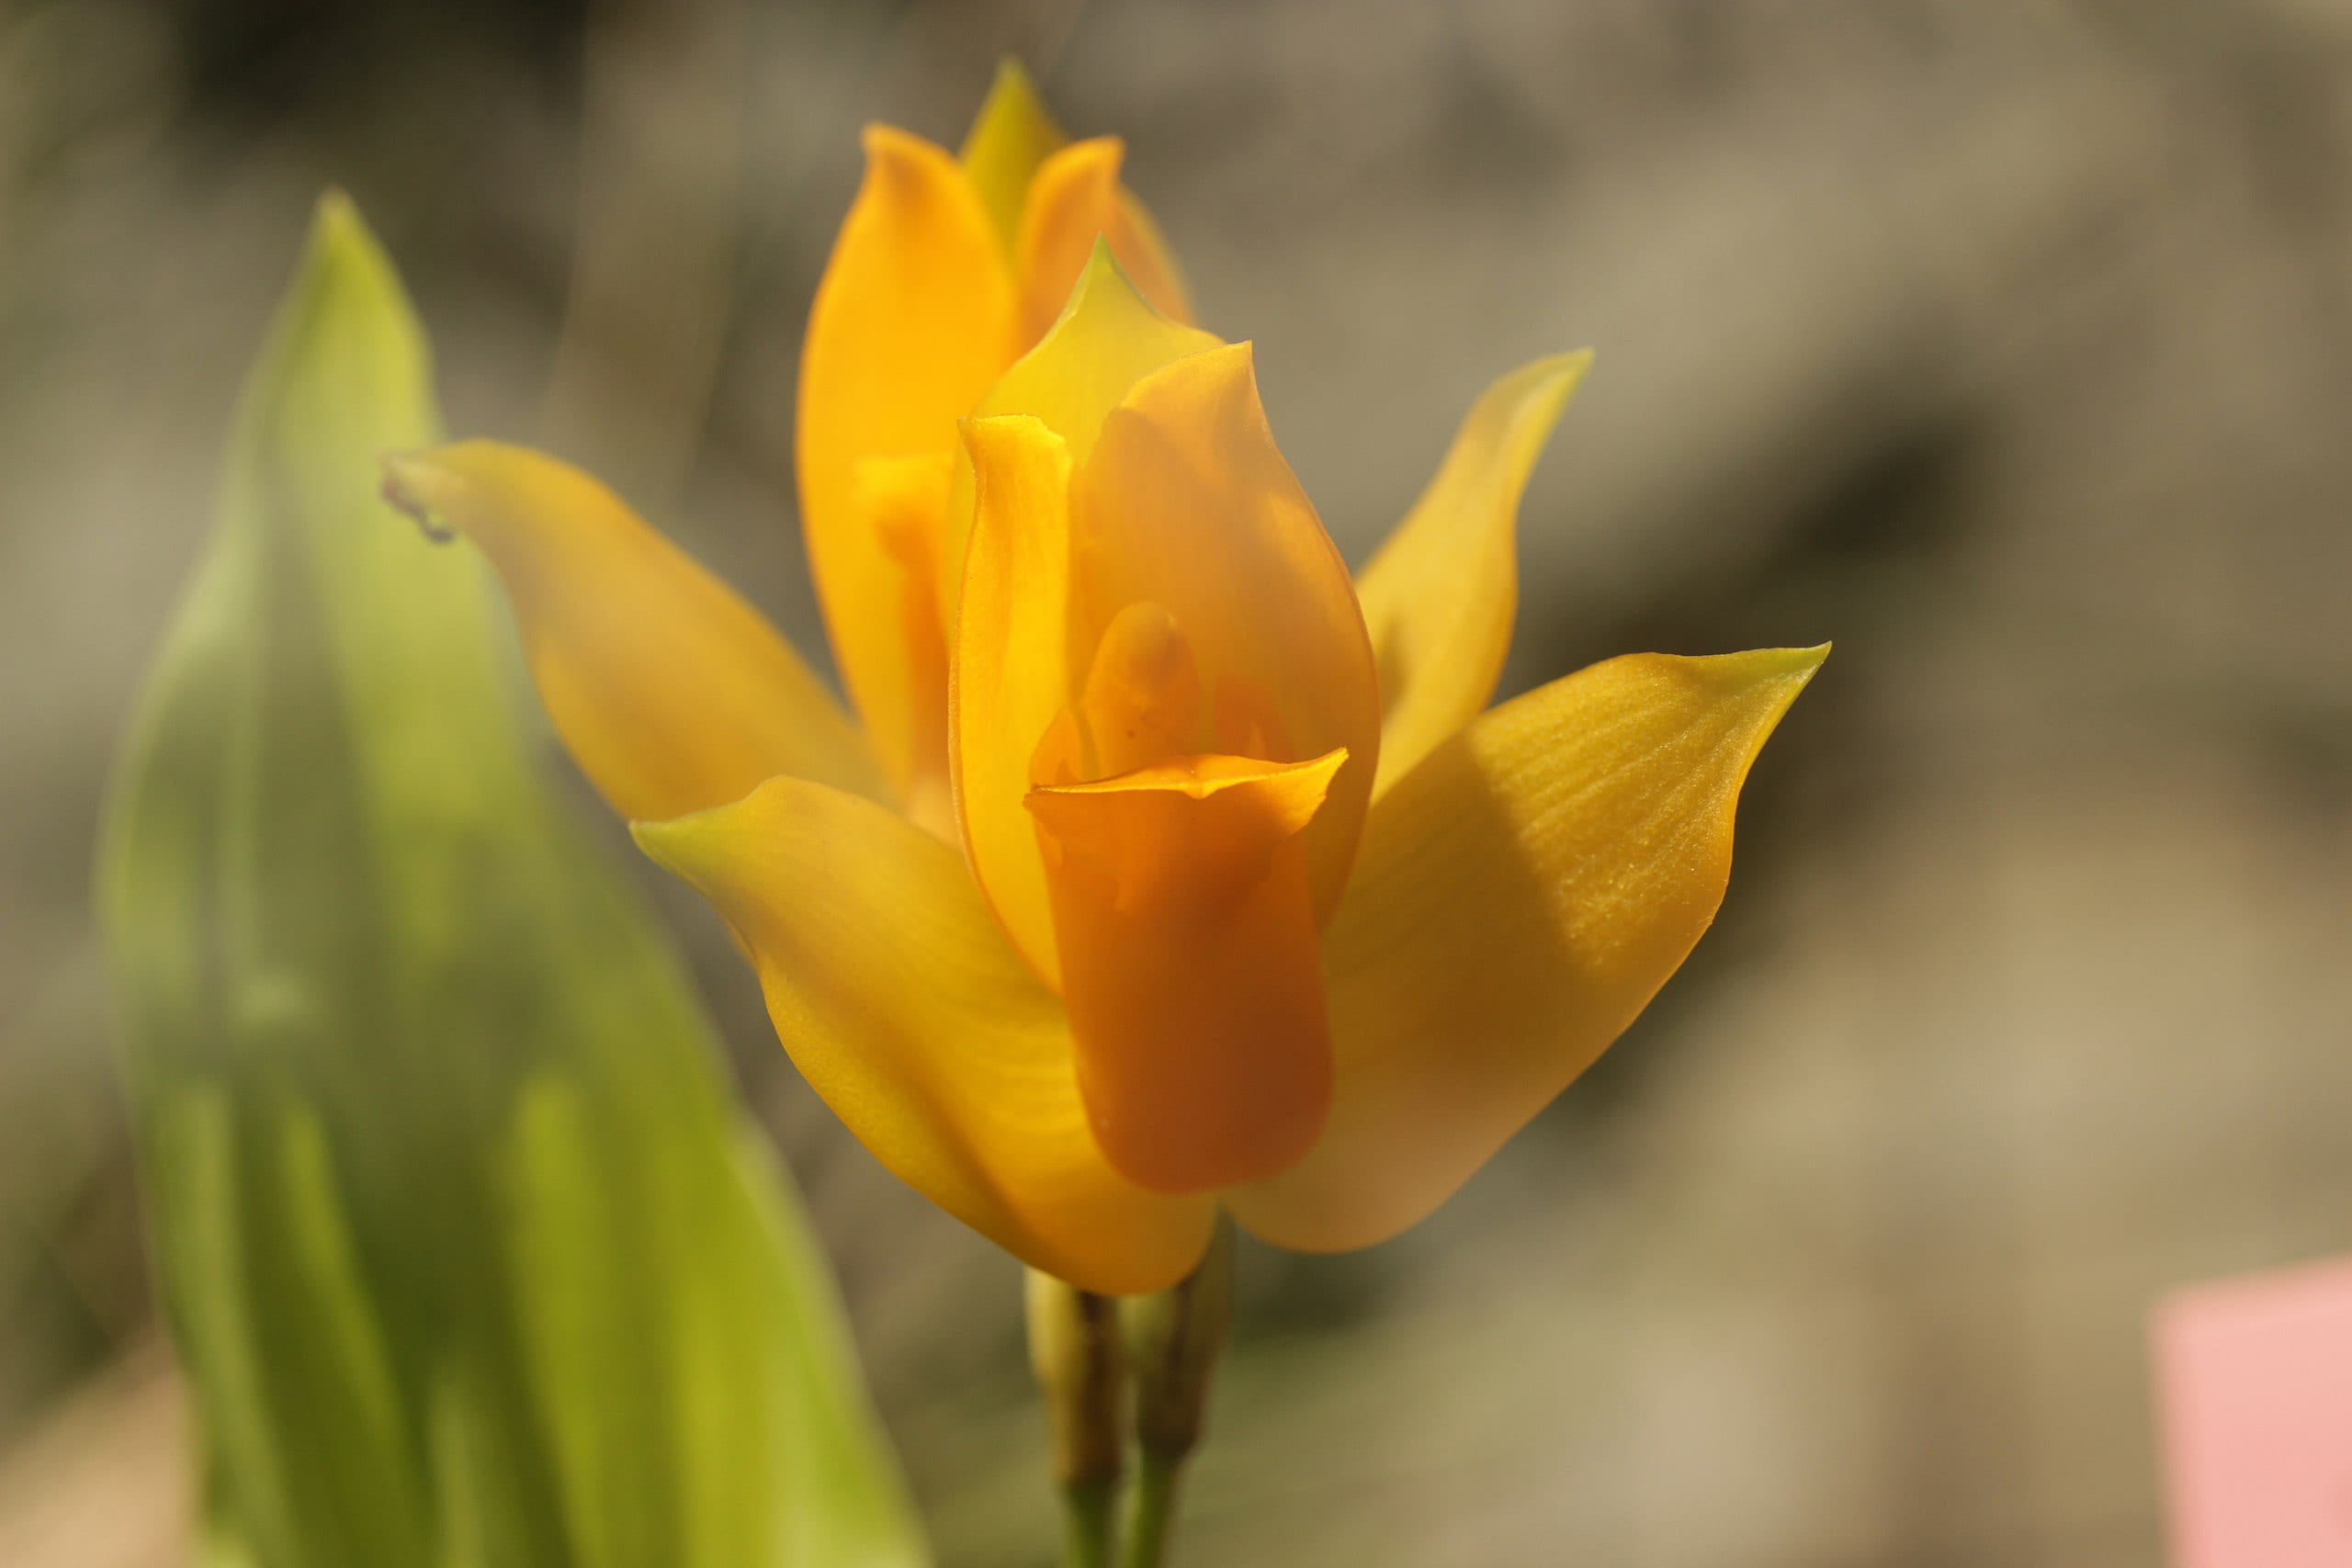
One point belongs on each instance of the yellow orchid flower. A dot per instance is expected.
(1254, 906)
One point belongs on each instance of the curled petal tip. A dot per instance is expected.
(1545, 387)
(411, 480)
(1561, 373)
(892, 154)
(681, 845)
(658, 840)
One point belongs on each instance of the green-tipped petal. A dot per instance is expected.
(1109, 337)
(1010, 138)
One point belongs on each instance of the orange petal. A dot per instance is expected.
(1076, 198)
(1521, 896)
(906, 1010)
(670, 693)
(913, 320)
(1186, 504)
(1189, 965)
(904, 502)
(1011, 673)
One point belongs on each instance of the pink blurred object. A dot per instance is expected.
(2255, 1379)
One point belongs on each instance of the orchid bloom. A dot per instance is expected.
(1169, 868)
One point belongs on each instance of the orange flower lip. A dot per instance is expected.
(1189, 965)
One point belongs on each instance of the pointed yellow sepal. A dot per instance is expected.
(1521, 897)
(670, 693)
(1010, 138)
(1440, 597)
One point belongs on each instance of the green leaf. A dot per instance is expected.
(471, 1259)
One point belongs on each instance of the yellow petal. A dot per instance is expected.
(1109, 338)
(1439, 596)
(670, 693)
(1012, 134)
(1075, 200)
(904, 502)
(912, 323)
(1186, 504)
(1189, 965)
(906, 1012)
(1521, 897)
(1010, 670)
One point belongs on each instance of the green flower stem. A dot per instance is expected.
(1174, 1340)
(1090, 1520)
(1152, 1522)
(1074, 1346)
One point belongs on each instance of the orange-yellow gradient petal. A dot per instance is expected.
(913, 320)
(1521, 897)
(897, 999)
(1108, 339)
(670, 693)
(1075, 200)
(1189, 965)
(1012, 665)
(1439, 596)
(1011, 136)
(1186, 502)
(904, 502)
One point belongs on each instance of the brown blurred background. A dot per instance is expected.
(2008, 343)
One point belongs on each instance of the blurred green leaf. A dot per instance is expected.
(471, 1261)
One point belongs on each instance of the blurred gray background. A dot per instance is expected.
(2008, 343)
